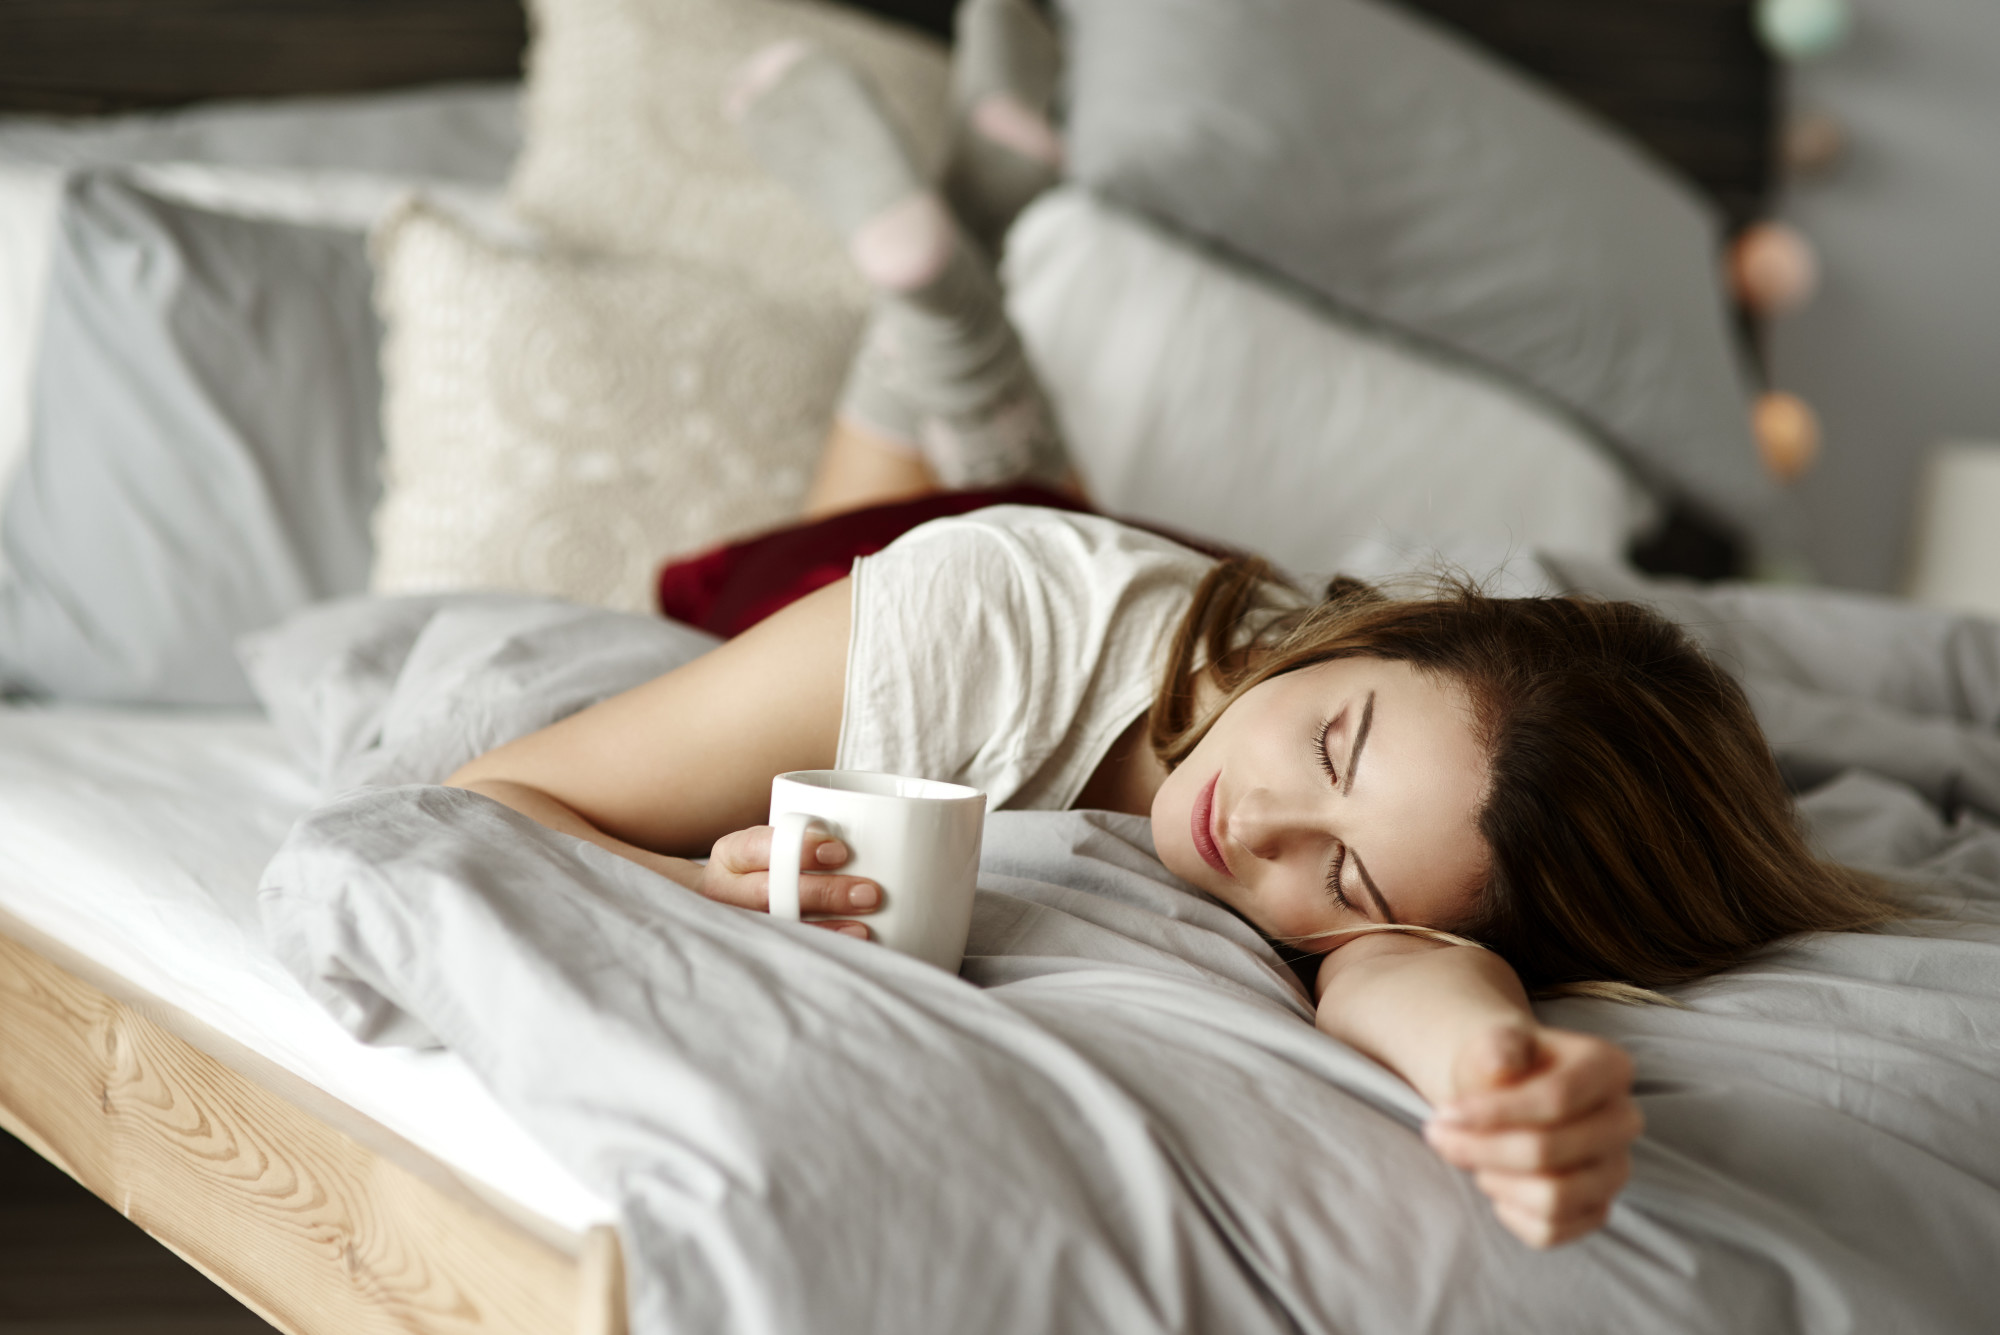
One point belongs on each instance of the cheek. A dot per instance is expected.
(1297, 907)
(1170, 814)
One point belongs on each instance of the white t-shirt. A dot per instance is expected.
(1008, 648)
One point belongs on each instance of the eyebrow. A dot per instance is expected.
(1347, 786)
(1368, 882)
(1360, 737)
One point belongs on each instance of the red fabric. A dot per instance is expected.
(726, 590)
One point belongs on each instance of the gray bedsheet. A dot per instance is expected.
(1119, 1118)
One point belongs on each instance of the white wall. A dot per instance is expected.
(1902, 347)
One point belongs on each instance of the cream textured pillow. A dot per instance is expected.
(560, 424)
(627, 149)
(563, 423)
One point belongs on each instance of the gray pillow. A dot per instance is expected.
(1389, 167)
(203, 450)
(460, 132)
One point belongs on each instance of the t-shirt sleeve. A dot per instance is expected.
(1008, 648)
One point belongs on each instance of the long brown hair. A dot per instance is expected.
(1639, 829)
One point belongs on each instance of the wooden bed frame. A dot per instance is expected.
(318, 1218)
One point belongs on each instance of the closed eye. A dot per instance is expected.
(1333, 890)
(1319, 750)
(1325, 761)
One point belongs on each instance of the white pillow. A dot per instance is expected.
(29, 199)
(560, 424)
(1196, 396)
(1400, 173)
(352, 200)
(204, 447)
(331, 161)
(460, 132)
(627, 149)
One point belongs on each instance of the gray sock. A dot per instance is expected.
(816, 125)
(1004, 150)
(957, 388)
(940, 368)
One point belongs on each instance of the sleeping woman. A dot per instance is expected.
(1454, 803)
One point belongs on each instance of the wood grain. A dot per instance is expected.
(312, 1230)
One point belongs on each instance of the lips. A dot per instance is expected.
(1201, 826)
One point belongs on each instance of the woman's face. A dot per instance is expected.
(1336, 795)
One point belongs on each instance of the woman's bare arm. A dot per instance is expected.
(1543, 1118)
(663, 771)
(677, 763)
(1411, 1004)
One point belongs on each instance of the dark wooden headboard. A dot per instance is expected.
(1684, 77)
(87, 56)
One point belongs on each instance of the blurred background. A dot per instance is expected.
(1899, 351)
(1884, 162)
(1895, 352)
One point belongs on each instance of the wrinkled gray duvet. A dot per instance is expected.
(1119, 1118)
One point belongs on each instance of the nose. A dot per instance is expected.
(1268, 823)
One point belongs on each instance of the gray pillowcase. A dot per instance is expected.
(203, 452)
(462, 132)
(1392, 169)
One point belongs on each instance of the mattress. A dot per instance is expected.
(136, 839)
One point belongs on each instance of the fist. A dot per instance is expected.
(1544, 1120)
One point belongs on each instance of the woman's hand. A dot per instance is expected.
(739, 873)
(1544, 1120)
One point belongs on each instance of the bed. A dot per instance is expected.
(154, 1046)
(174, 1072)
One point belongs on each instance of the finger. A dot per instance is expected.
(855, 929)
(815, 853)
(838, 894)
(1553, 1228)
(742, 851)
(1608, 1130)
(1578, 1079)
(749, 850)
(817, 893)
(1526, 1225)
(1542, 1233)
(1559, 1197)
(725, 885)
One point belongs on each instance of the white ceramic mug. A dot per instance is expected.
(916, 838)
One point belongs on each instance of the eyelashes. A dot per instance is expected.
(1333, 890)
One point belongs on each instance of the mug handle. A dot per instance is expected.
(788, 839)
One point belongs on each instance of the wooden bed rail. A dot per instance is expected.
(316, 1217)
